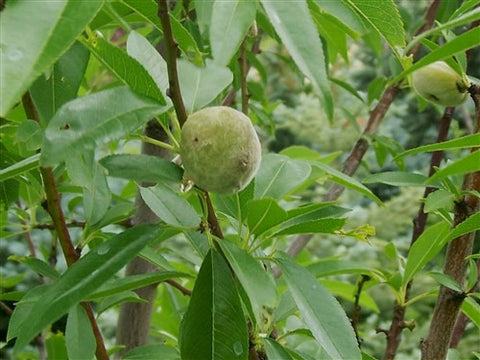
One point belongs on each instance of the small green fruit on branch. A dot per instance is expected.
(440, 84)
(220, 150)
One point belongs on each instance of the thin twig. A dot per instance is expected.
(179, 287)
(357, 308)
(171, 51)
(54, 208)
(242, 62)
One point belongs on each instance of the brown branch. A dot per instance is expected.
(448, 304)
(182, 289)
(419, 223)
(171, 50)
(55, 211)
(73, 223)
(357, 308)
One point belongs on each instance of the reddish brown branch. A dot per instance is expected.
(171, 50)
(242, 62)
(179, 287)
(448, 303)
(357, 308)
(55, 211)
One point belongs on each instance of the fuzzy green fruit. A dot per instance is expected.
(440, 84)
(220, 150)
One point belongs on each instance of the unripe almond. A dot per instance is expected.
(440, 84)
(220, 150)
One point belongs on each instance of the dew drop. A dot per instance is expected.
(237, 348)
(102, 250)
(14, 55)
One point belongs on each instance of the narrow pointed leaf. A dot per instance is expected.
(80, 280)
(169, 206)
(214, 326)
(263, 214)
(328, 323)
(86, 122)
(275, 351)
(469, 163)
(257, 283)
(229, 25)
(297, 30)
(34, 35)
(79, 337)
(142, 168)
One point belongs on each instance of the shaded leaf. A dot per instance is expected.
(263, 214)
(469, 163)
(396, 178)
(20, 167)
(80, 341)
(152, 351)
(78, 282)
(275, 351)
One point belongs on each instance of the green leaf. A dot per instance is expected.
(117, 299)
(79, 281)
(169, 206)
(30, 134)
(299, 35)
(424, 249)
(229, 25)
(214, 326)
(34, 36)
(20, 167)
(469, 163)
(275, 351)
(347, 181)
(461, 43)
(56, 348)
(133, 282)
(396, 178)
(328, 322)
(467, 141)
(141, 50)
(279, 175)
(263, 214)
(384, 17)
(152, 351)
(257, 283)
(472, 223)
(471, 308)
(347, 291)
(201, 85)
(86, 122)
(96, 196)
(318, 226)
(81, 343)
(50, 91)
(142, 168)
(344, 12)
(330, 267)
(439, 199)
(446, 280)
(125, 68)
(37, 265)
(149, 254)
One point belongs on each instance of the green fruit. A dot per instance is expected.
(440, 84)
(220, 150)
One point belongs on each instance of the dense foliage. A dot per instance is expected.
(354, 240)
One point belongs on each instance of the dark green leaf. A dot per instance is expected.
(20, 167)
(79, 336)
(142, 168)
(56, 348)
(128, 70)
(50, 92)
(396, 178)
(328, 323)
(79, 281)
(469, 163)
(104, 116)
(152, 351)
(214, 326)
(34, 36)
(470, 224)
(326, 226)
(257, 283)
(330, 267)
(446, 280)
(37, 265)
(169, 206)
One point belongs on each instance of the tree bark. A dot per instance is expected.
(134, 319)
